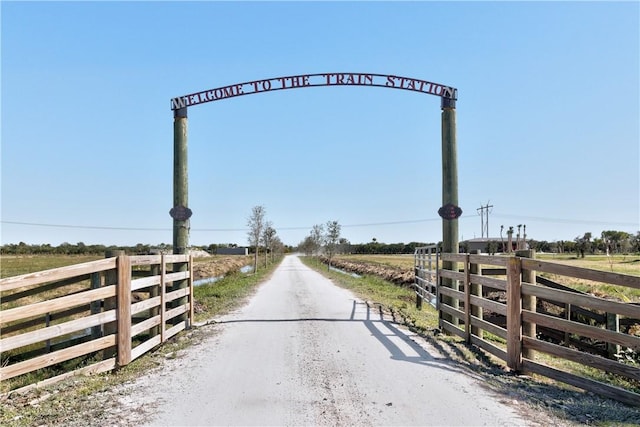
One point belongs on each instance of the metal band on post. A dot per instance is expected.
(447, 103)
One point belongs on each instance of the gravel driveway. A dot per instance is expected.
(305, 352)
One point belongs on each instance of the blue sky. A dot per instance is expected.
(548, 118)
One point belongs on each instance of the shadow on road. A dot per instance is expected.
(400, 345)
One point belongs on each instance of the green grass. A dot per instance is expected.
(623, 264)
(400, 301)
(403, 261)
(229, 292)
(15, 265)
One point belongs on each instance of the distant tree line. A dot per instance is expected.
(609, 242)
(375, 247)
(612, 242)
(77, 249)
(326, 238)
(139, 249)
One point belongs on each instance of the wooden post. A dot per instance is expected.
(419, 293)
(96, 306)
(528, 301)
(418, 264)
(192, 300)
(514, 315)
(124, 310)
(163, 291)
(180, 181)
(467, 300)
(450, 242)
(613, 324)
(180, 201)
(476, 290)
(567, 315)
(110, 279)
(47, 323)
(154, 292)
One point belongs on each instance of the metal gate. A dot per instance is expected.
(426, 275)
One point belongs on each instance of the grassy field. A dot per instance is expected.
(623, 264)
(399, 300)
(15, 265)
(404, 262)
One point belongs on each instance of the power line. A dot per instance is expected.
(98, 227)
(567, 221)
(484, 223)
(372, 224)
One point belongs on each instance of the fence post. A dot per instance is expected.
(467, 299)
(613, 324)
(529, 302)
(191, 296)
(417, 272)
(514, 314)
(476, 290)
(163, 291)
(96, 283)
(124, 310)
(110, 279)
(155, 292)
(47, 323)
(567, 315)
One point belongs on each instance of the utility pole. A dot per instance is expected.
(484, 221)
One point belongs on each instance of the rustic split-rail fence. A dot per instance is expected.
(91, 317)
(101, 315)
(501, 305)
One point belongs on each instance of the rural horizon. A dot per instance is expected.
(618, 242)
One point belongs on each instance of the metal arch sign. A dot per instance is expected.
(314, 80)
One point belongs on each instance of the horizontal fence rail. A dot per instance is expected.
(516, 316)
(91, 317)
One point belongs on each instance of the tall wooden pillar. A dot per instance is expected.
(180, 212)
(450, 210)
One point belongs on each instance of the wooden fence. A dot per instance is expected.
(91, 317)
(467, 310)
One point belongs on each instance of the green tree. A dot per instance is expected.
(317, 237)
(331, 239)
(268, 235)
(583, 244)
(255, 222)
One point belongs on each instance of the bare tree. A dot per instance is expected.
(317, 237)
(267, 239)
(277, 247)
(307, 246)
(331, 239)
(256, 224)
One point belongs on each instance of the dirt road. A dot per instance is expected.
(305, 352)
